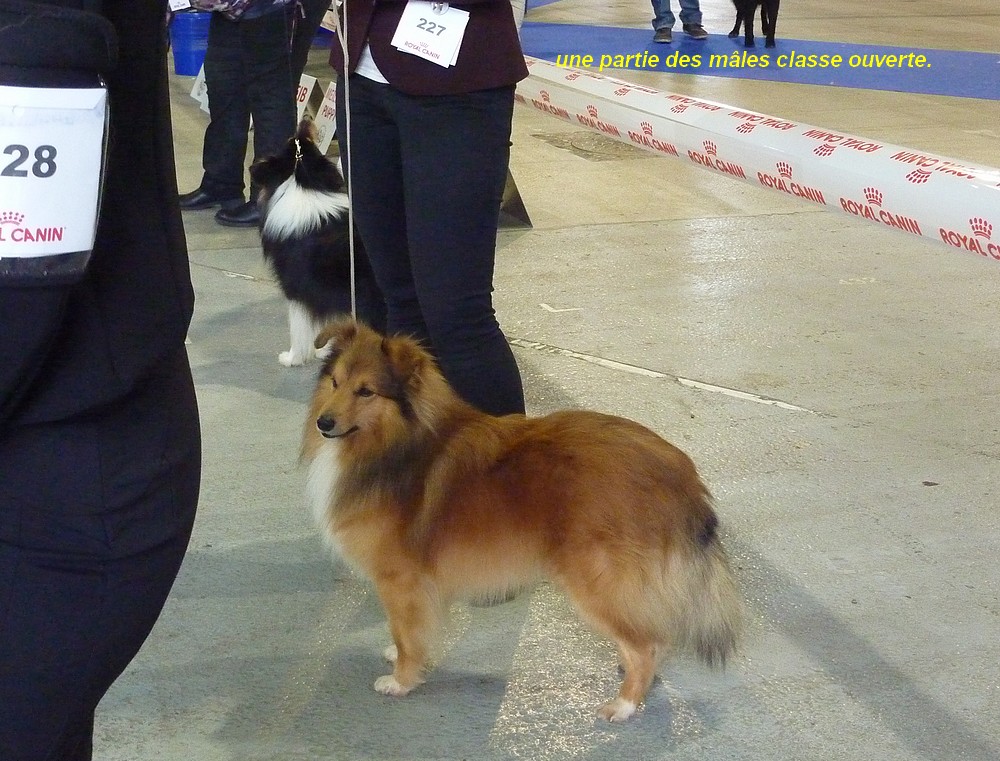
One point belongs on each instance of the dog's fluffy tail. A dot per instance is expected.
(707, 611)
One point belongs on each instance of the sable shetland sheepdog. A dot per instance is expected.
(436, 501)
(305, 238)
(745, 10)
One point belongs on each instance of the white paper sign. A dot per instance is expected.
(303, 94)
(51, 156)
(432, 31)
(326, 119)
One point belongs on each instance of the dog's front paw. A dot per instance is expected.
(291, 359)
(388, 685)
(618, 709)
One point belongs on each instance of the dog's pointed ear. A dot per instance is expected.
(341, 332)
(406, 358)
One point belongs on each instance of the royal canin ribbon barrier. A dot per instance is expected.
(916, 193)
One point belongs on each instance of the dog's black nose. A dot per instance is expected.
(325, 423)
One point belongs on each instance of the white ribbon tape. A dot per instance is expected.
(911, 191)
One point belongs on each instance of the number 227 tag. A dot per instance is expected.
(432, 31)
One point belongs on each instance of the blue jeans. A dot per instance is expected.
(664, 18)
(427, 178)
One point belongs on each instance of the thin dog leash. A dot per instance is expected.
(341, 29)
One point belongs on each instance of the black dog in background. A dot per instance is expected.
(304, 234)
(745, 10)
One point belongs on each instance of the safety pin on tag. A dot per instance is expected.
(439, 8)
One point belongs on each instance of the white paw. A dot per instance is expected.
(388, 685)
(618, 709)
(324, 351)
(290, 359)
(391, 653)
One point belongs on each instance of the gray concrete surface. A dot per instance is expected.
(863, 524)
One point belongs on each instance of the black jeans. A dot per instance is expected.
(427, 178)
(248, 74)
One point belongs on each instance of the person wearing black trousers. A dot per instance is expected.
(428, 149)
(100, 448)
(248, 75)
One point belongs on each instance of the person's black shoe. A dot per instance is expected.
(245, 215)
(200, 199)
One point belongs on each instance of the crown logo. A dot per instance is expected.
(784, 169)
(572, 75)
(710, 148)
(824, 150)
(680, 108)
(11, 218)
(873, 196)
(622, 91)
(746, 128)
(544, 95)
(918, 176)
(646, 128)
(592, 110)
(981, 228)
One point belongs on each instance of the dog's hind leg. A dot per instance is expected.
(616, 607)
(415, 615)
(302, 331)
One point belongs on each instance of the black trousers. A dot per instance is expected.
(427, 178)
(248, 74)
(95, 517)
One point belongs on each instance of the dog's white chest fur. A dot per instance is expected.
(320, 484)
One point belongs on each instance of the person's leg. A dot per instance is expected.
(376, 178)
(453, 187)
(225, 145)
(97, 515)
(306, 26)
(663, 17)
(266, 44)
(690, 12)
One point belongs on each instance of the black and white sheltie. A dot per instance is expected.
(304, 233)
(745, 10)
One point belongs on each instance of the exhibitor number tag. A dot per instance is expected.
(432, 31)
(51, 160)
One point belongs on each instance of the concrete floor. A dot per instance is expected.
(862, 515)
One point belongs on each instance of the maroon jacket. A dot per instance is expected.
(490, 55)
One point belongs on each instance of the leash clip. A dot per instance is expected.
(298, 152)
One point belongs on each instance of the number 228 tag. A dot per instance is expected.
(432, 31)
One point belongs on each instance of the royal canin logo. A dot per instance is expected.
(683, 100)
(979, 242)
(835, 140)
(871, 208)
(824, 150)
(784, 182)
(543, 103)
(710, 158)
(645, 139)
(751, 120)
(13, 230)
(746, 128)
(927, 164)
(590, 119)
(680, 108)
(572, 75)
(621, 92)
